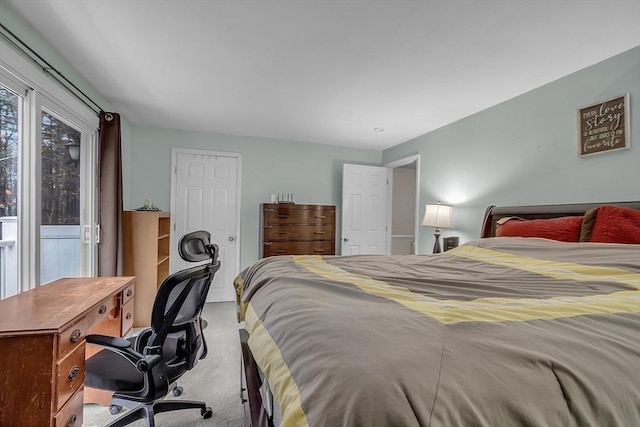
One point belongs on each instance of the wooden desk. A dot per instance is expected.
(42, 346)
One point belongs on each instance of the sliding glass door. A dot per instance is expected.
(66, 240)
(11, 107)
(47, 190)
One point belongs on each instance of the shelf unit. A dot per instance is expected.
(147, 238)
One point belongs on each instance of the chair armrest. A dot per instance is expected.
(122, 346)
(148, 362)
(117, 345)
(107, 341)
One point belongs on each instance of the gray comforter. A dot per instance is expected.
(498, 332)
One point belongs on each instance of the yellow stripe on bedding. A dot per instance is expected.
(481, 309)
(275, 368)
(555, 269)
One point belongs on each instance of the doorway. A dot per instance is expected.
(205, 195)
(403, 206)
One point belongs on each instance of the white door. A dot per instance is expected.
(206, 197)
(364, 209)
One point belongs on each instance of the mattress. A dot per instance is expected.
(499, 331)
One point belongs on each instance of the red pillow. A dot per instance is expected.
(564, 229)
(614, 224)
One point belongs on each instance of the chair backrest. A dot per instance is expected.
(176, 325)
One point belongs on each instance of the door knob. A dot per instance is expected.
(231, 238)
(346, 239)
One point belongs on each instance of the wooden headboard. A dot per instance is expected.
(493, 213)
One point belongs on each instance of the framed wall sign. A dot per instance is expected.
(604, 126)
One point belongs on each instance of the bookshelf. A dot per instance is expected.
(147, 237)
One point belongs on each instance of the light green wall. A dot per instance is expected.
(14, 22)
(524, 151)
(313, 172)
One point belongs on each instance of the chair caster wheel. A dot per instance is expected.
(115, 409)
(177, 391)
(206, 413)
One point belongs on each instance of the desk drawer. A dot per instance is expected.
(69, 375)
(71, 337)
(71, 414)
(127, 317)
(106, 309)
(128, 293)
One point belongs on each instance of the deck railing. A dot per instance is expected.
(59, 248)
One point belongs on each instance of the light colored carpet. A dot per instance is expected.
(214, 380)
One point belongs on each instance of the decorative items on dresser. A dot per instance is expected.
(291, 229)
(147, 239)
(42, 346)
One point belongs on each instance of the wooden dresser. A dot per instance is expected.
(42, 346)
(290, 229)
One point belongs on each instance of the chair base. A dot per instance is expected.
(146, 411)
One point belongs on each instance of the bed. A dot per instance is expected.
(504, 330)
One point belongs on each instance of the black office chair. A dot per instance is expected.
(142, 369)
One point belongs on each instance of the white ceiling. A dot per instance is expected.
(325, 71)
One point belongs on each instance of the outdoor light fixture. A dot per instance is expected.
(73, 148)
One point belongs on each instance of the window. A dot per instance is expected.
(9, 133)
(47, 179)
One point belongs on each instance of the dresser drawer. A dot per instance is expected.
(292, 215)
(71, 337)
(298, 232)
(71, 414)
(298, 248)
(70, 375)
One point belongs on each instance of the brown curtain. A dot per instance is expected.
(110, 252)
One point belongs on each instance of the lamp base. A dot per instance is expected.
(436, 246)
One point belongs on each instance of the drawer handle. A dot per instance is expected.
(319, 232)
(75, 336)
(103, 309)
(73, 373)
(283, 216)
(319, 250)
(281, 251)
(130, 292)
(72, 420)
(128, 316)
(282, 232)
(320, 216)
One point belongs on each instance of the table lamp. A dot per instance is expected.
(438, 216)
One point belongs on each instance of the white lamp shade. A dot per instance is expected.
(438, 216)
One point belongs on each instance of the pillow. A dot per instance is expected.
(564, 229)
(613, 224)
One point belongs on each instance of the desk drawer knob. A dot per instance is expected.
(75, 336)
(130, 292)
(72, 420)
(73, 373)
(128, 316)
(103, 309)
